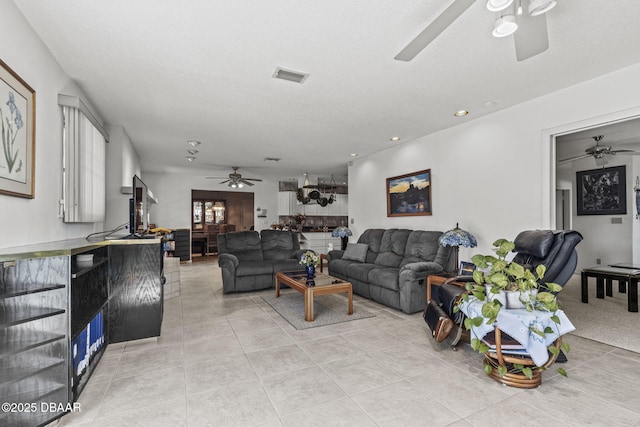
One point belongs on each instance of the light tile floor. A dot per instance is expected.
(230, 360)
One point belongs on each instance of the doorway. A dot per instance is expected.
(607, 238)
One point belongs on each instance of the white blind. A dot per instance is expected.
(84, 168)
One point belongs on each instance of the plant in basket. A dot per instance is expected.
(500, 285)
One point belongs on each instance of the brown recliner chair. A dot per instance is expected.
(554, 249)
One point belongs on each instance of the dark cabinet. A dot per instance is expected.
(58, 313)
(135, 294)
(33, 339)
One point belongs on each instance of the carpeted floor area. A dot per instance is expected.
(604, 320)
(328, 309)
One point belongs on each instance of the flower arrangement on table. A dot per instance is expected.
(298, 218)
(486, 303)
(310, 259)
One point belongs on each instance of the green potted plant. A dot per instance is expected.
(493, 279)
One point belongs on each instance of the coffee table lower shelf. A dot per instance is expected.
(324, 285)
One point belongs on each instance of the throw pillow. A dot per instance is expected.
(356, 252)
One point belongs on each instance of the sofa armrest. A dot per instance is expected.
(228, 260)
(420, 270)
(298, 254)
(335, 254)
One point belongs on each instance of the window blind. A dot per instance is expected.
(84, 157)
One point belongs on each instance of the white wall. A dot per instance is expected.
(123, 162)
(25, 221)
(173, 191)
(491, 174)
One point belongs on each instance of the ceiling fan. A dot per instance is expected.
(525, 19)
(235, 180)
(600, 152)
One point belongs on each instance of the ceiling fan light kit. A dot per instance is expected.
(498, 5)
(538, 7)
(530, 39)
(505, 26)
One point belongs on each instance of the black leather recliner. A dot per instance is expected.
(554, 249)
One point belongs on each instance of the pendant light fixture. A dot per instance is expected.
(498, 5)
(538, 7)
(505, 26)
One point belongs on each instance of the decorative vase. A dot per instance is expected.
(500, 296)
(517, 299)
(311, 274)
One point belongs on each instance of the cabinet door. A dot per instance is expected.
(136, 299)
(284, 203)
(333, 208)
(311, 208)
(343, 203)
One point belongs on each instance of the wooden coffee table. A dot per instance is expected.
(324, 284)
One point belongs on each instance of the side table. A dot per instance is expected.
(439, 279)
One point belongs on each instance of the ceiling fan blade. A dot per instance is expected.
(244, 181)
(571, 159)
(626, 152)
(225, 181)
(434, 29)
(532, 37)
(253, 179)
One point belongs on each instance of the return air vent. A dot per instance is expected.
(292, 76)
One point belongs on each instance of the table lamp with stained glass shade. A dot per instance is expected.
(458, 237)
(342, 232)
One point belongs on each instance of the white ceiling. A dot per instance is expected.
(170, 71)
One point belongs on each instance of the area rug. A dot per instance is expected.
(604, 320)
(328, 309)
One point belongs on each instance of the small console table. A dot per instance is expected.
(606, 275)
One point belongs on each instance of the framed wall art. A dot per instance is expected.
(17, 113)
(602, 191)
(409, 194)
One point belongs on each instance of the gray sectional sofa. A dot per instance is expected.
(391, 266)
(249, 260)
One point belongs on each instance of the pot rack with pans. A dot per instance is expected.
(600, 153)
(310, 192)
(235, 180)
(525, 19)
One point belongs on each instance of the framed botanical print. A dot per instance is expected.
(18, 115)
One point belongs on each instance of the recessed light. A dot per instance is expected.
(461, 113)
(193, 143)
(190, 158)
(192, 152)
(353, 154)
(394, 138)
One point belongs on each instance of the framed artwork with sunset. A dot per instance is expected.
(410, 194)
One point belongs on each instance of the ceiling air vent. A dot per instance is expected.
(292, 76)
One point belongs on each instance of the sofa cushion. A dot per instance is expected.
(392, 248)
(384, 277)
(360, 272)
(277, 245)
(422, 246)
(254, 268)
(286, 265)
(373, 238)
(340, 267)
(245, 245)
(356, 252)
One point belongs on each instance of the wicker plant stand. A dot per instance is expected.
(515, 378)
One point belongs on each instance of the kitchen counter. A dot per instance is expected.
(66, 247)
